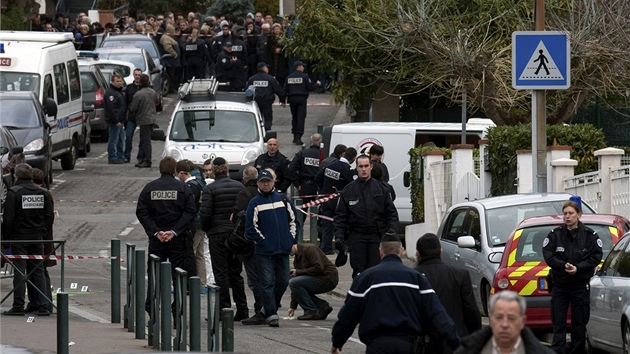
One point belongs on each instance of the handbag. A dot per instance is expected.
(237, 241)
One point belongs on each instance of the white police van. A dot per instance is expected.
(207, 123)
(397, 139)
(46, 63)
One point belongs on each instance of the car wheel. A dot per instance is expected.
(48, 181)
(69, 159)
(166, 85)
(485, 296)
(626, 337)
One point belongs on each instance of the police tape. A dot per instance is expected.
(56, 257)
(307, 196)
(319, 201)
(316, 215)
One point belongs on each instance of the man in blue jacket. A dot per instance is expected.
(272, 225)
(395, 306)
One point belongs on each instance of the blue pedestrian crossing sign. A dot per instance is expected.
(541, 60)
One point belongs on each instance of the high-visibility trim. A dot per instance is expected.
(391, 284)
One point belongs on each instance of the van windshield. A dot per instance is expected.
(19, 114)
(16, 81)
(216, 126)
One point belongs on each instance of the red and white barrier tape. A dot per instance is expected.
(37, 256)
(317, 215)
(319, 201)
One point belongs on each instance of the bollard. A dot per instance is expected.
(181, 307)
(227, 327)
(314, 230)
(139, 290)
(128, 309)
(300, 219)
(63, 336)
(115, 273)
(165, 310)
(213, 318)
(154, 295)
(195, 314)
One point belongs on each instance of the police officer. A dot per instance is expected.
(296, 89)
(304, 167)
(394, 305)
(239, 50)
(28, 215)
(195, 56)
(275, 160)
(166, 208)
(367, 210)
(266, 88)
(332, 179)
(572, 251)
(227, 68)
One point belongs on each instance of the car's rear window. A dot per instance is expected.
(531, 241)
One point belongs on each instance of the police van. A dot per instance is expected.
(46, 63)
(397, 139)
(208, 123)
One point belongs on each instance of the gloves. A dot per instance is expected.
(340, 244)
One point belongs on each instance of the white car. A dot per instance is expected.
(207, 124)
(473, 234)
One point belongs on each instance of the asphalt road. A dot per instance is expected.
(96, 202)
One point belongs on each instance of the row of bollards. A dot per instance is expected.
(184, 314)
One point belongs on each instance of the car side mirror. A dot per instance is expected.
(466, 242)
(50, 106)
(158, 134)
(3, 150)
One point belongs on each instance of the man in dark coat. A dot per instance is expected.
(507, 331)
(275, 160)
(267, 88)
(452, 286)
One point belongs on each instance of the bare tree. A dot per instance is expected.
(445, 45)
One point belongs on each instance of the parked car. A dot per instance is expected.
(140, 58)
(11, 154)
(523, 268)
(609, 325)
(94, 85)
(144, 41)
(124, 68)
(26, 119)
(473, 234)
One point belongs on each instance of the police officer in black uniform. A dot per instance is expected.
(332, 179)
(166, 209)
(304, 167)
(275, 160)
(394, 305)
(28, 215)
(572, 251)
(365, 212)
(296, 88)
(227, 68)
(195, 56)
(266, 88)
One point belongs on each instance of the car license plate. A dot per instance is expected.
(542, 284)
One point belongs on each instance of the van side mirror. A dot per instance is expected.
(158, 134)
(50, 106)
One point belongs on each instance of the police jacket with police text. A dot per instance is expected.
(365, 204)
(298, 84)
(580, 247)
(217, 201)
(334, 177)
(305, 165)
(392, 300)
(194, 51)
(166, 204)
(279, 164)
(266, 88)
(28, 210)
(115, 108)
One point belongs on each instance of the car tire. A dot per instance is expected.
(626, 338)
(166, 86)
(485, 296)
(48, 179)
(69, 159)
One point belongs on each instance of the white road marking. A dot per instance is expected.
(126, 231)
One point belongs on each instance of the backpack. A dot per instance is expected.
(200, 184)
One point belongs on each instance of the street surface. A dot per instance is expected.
(96, 202)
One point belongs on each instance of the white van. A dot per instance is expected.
(46, 63)
(397, 139)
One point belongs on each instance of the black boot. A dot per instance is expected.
(295, 138)
(298, 139)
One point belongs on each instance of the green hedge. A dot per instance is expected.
(504, 141)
